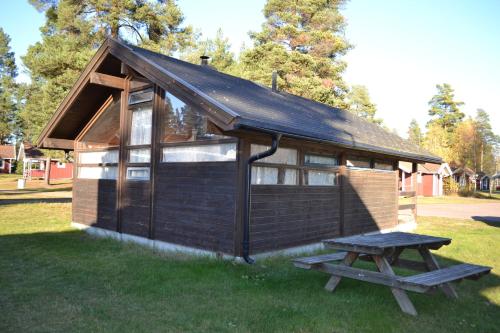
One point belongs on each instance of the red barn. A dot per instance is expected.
(7, 158)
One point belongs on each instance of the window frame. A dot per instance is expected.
(281, 167)
(301, 167)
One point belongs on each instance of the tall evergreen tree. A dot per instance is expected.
(415, 133)
(8, 71)
(445, 109)
(487, 142)
(360, 104)
(71, 34)
(303, 41)
(218, 49)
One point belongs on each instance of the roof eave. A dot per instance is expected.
(261, 127)
(80, 83)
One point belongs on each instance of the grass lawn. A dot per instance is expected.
(481, 197)
(35, 190)
(56, 279)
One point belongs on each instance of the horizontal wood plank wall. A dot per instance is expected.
(370, 201)
(195, 204)
(135, 210)
(94, 202)
(287, 216)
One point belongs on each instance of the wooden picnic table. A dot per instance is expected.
(385, 250)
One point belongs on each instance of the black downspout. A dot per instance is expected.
(248, 184)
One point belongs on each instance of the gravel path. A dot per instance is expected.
(486, 212)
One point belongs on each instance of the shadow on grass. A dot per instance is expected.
(33, 201)
(35, 190)
(493, 221)
(209, 294)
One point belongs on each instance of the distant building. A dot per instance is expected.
(7, 158)
(463, 176)
(429, 180)
(35, 163)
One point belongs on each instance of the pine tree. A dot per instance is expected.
(70, 36)
(303, 41)
(218, 49)
(487, 142)
(360, 104)
(445, 109)
(415, 133)
(8, 72)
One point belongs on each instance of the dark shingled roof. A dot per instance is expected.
(259, 107)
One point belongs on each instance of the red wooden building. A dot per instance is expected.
(429, 181)
(35, 164)
(7, 158)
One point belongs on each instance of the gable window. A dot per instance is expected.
(141, 129)
(104, 133)
(187, 135)
(97, 147)
(279, 168)
(320, 170)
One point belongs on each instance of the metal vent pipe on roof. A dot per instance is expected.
(204, 60)
(275, 81)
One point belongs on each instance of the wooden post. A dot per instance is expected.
(342, 182)
(414, 169)
(47, 171)
(395, 167)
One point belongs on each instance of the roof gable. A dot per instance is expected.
(237, 103)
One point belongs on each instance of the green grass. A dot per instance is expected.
(56, 279)
(480, 198)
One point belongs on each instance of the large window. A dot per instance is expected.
(358, 162)
(275, 169)
(285, 168)
(383, 165)
(200, 153)
(320, 170)
(188, 136)
(368, 163)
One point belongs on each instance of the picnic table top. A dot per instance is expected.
(378, 243)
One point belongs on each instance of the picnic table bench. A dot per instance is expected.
(385, 251)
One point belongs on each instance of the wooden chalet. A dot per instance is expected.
(185, 157)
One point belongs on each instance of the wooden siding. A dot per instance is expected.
(65, 171)
(285, 216)
(195, 204)
(135, 207)
(370, 199)
(94, 202)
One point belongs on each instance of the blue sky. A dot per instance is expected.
(402, 48)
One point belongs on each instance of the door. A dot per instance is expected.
(135, 175)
